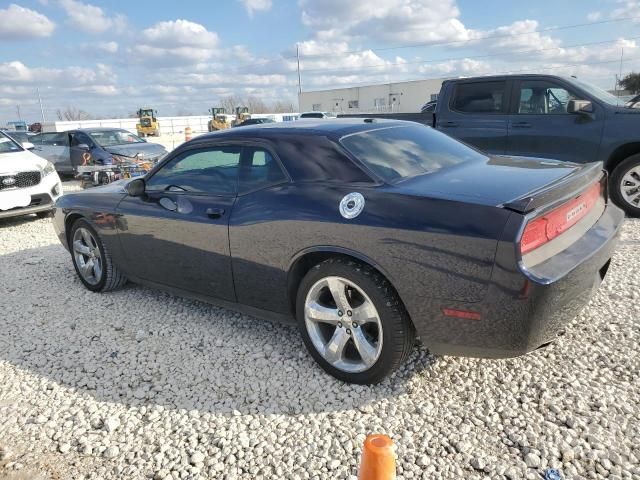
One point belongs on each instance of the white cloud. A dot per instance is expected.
(109, 48)
(176, 42)
(252, 6)
(19, 23)
(627, 8)
(594, 16)
(91, 18)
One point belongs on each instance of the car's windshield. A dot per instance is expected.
(107, 138)
(599, 93)
(398, 153)
(8, 145)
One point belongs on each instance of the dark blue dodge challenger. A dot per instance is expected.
(366, 232)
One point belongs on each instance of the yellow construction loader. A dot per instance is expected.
(242, 114)
(219, 119)
(148, 123)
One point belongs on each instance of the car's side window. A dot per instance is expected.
(480, 97)
(79, 139)
(53, 138)
(259, 169)
(540, 97)
(212, 171)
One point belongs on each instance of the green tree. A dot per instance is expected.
(631, 82)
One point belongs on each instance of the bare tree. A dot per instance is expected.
(73, 113)
(230, 103)
(256, 105)
(282, 106)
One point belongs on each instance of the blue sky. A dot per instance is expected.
(109, 58)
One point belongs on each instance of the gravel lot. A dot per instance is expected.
(142, 384)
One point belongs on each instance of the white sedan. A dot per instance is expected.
(28, 183)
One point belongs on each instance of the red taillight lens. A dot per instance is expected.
(552, 224)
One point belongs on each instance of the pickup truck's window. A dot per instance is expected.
(397, 153)
(260, 170)
(479, 97)
(211, 171)
(539, 97)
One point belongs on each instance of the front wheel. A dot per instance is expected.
(625, 185)
(92, 259)
(353, 322)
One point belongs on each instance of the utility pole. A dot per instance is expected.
(620, 76)
(298, 58)
(18, 110)
(40, 101)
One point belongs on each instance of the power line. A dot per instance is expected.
(486, 37)
(470, 57)
(504, 72)
(431, 44)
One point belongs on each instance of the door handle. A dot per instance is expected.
(215, 212)
(449, 124)
(521, 125)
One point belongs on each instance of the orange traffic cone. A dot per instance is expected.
(378, 459)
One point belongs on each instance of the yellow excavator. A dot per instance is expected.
(242, 114)
(219, 119)
(148, 123)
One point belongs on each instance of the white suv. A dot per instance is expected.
(28, 183)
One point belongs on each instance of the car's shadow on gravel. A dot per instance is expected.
(139, 346)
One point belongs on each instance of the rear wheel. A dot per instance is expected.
(625, 185)
(353, 322)
(92, 260)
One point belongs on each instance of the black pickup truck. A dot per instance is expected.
(543, 116)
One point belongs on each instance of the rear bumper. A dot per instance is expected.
(524, 310)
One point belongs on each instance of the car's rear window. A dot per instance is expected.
(398, 153)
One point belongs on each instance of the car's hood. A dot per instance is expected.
(495, 181)
(146, 149)
(20, 162)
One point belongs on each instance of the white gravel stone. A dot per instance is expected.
(141, 384)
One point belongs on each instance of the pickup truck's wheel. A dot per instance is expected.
(92, 260)
(352, 321)
(625, 185)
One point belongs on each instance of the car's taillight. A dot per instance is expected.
(545, 228)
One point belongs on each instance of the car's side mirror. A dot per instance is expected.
(83, 146)
(135, 188)
(28, 145)
(580, 107)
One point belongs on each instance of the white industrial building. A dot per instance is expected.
(401, 97)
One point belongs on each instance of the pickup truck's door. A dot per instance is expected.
(477, 113)
(539, 125)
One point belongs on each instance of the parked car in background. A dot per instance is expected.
(545, 116)
(35, 127)
(28, 183)
(317, 115)
(255, 121)
(100, 146)
(366, 232)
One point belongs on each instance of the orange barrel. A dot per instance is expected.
(187, 134)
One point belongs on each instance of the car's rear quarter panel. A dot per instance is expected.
(433, 251)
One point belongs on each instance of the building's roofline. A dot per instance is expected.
(379, 85)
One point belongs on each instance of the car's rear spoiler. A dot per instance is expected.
(559, 191)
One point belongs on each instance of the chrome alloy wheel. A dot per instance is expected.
(87, 256)
(630, 187)
(343, 324)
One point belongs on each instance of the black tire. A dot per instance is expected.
(111, 277)
(47, 214)
(398, 333)
(614, 185)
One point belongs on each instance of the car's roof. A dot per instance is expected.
(334, 128)
(97, 129)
